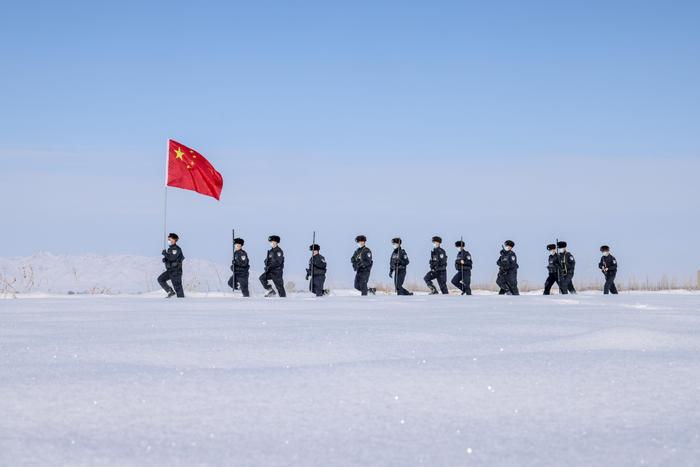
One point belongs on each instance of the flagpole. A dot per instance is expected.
(165, 194)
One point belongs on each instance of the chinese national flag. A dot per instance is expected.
(189, 170)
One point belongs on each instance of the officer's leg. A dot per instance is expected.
(570, 285)
(513, 283)
(400, 278)
(428, 279)
(551, 279)
(501, 285)
(613, 287)
(163, 281)
(318, 285)
(264, 280)
(242, 280)
(176, 279)
(278, 280)
(564, 285)
(442, 282)
(361, 282)
(457, 281)
(467, 282)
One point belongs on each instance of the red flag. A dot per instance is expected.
(188, 169)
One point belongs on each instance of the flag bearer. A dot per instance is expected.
(172, 258)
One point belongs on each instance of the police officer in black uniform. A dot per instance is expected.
(274, 267)
(397, 267)
(608, 266)
(552, 269)
(438, 268)
(316, 270)
(172, 258)
(463, 263)
(567, 265)
(507, 263)
(362, 265)
(240, 266)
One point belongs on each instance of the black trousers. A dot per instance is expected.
(316, 284)
(566, 285)
(441, 277)
(241, 282)
(399, 278)
(463, 285)
(361, 280)
(274, 275)
(552, 278)
(508, 282)
(609, 286)
(174, 276)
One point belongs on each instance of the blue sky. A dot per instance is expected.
(522, 120)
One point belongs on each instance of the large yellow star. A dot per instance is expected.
(178, 154)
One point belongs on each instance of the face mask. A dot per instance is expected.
(395, 245)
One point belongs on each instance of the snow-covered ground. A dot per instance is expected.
(588, 380)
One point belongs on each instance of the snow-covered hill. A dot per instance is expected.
(112, 274)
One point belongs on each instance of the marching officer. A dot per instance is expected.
(316, 270)
(507, 263)
(274, 268)
(172, 258)
(567, 265)
(463, 263)
(608, 266)
(362, 265)
(240, 266)
(397, 267)
(438, 268)
(552, 269)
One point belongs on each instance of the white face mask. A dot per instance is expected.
(395, 245)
